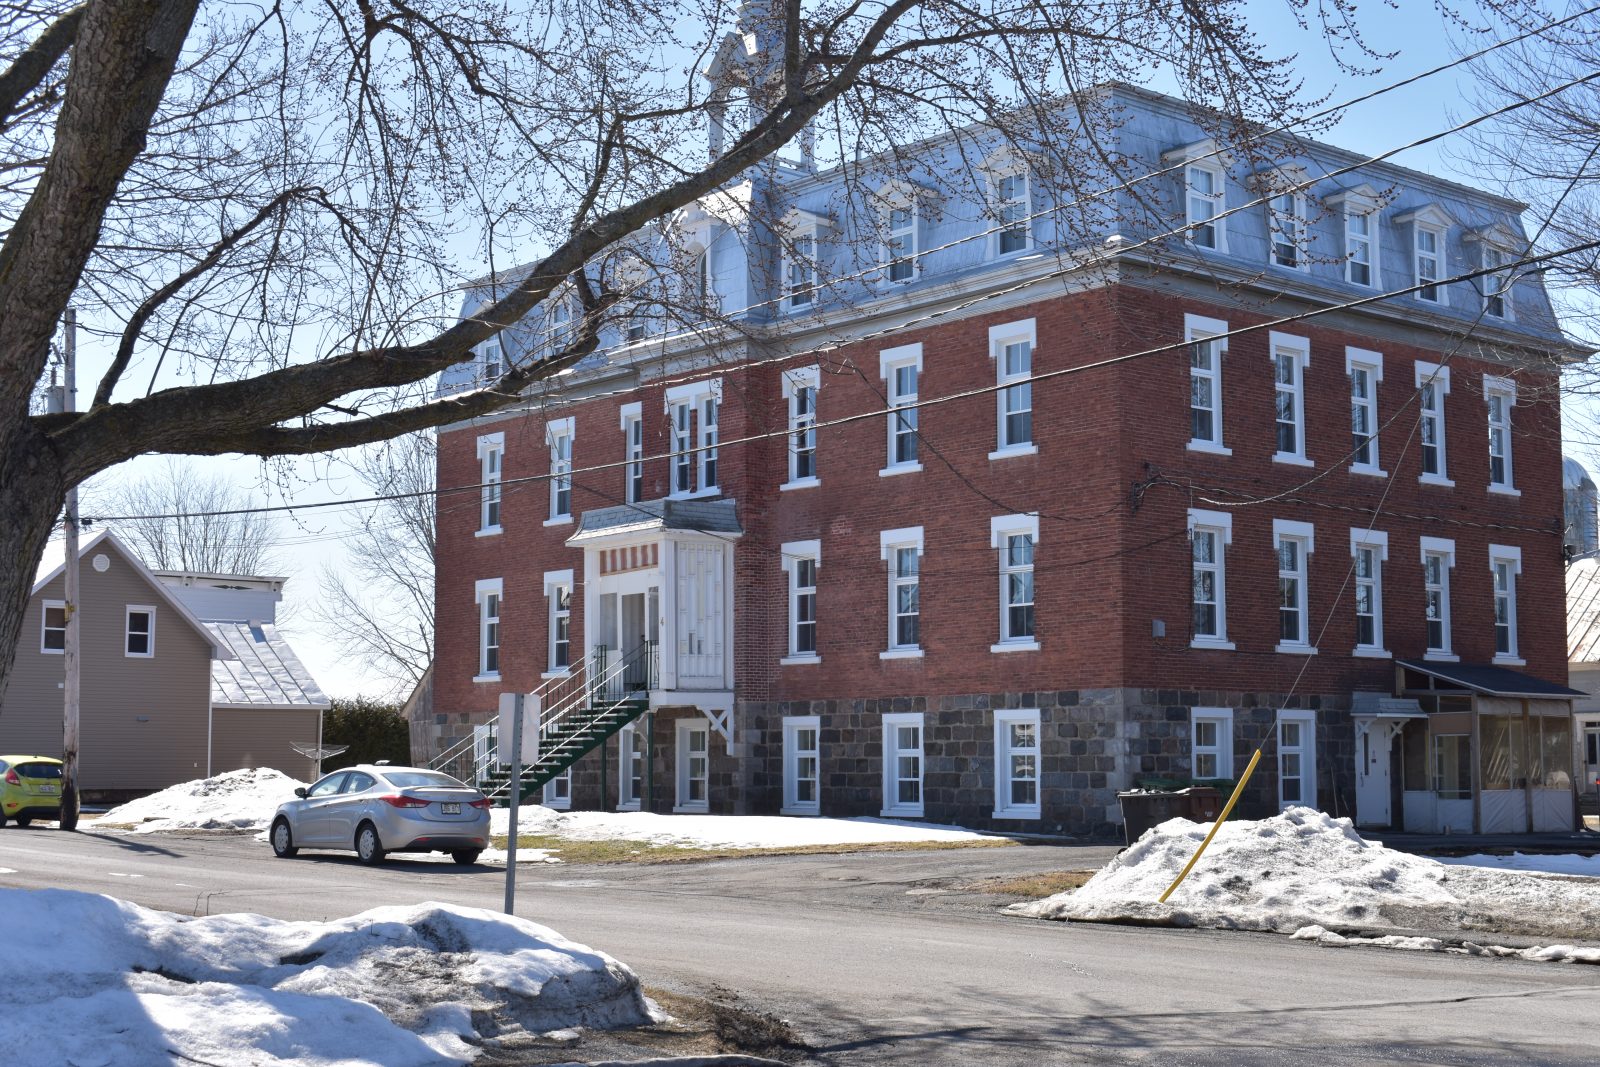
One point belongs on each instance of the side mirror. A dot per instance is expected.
(300, 791)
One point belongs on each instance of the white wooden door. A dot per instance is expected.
(702, 627)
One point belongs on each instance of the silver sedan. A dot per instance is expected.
(376, 809)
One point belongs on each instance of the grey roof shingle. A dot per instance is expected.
(703, 516)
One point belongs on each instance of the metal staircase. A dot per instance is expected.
(579, 712)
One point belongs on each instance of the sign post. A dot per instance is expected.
(512, 703)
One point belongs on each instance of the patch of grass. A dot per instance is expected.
(626, 851)
(1033, 886)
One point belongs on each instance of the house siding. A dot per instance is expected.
(256, 737)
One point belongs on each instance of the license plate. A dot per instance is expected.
(46, 788)
(452, 809)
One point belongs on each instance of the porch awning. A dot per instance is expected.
(1384, 706)
(648, 516)
(1491, 680)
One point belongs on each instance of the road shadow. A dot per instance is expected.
(125, 843)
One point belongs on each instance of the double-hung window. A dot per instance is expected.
(633, 452)
(693, 414)
(1206, 349)
(694, 765)
(1496, 286)
(1290, 357)
(1369, 550)
(1016, 764)
(1210, 743)
(558, 596)
(1210, 532)
(558, 791)
(710, 412)
(1011, 210)
(902, 765)
(1500, 395)
(1014, 536)
(1505, 565)
(801, 765)
(488, 593)
(490, 363)
(800, 392)
(1365, 369)
(1287, 217)
(900, 248)
(1011, 348)
(901, 369)
(800, 562)
(630, 767)
(491, 459)
(1295, 542)
(902, 551)
(1429, 242)
(800, 270)
(1360, 264)
(559, 435)
(1433, 385)
(1438, 558)
(140, 636)
(1203, 183)
(53, 627)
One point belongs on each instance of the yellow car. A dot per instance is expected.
(30, 788)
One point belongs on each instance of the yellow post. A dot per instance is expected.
(1227, 809)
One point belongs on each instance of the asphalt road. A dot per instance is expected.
(883, 958)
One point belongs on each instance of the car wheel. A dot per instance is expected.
(283, 840)
(24, 820)
(466, 857)
(369, 849)
(2, 819)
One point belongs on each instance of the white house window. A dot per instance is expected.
(1205, 382)
(1433, 384)
(630, 768)
(53, 627)
(710, 407)
(1505, 565)
(800, 561)
(1011, 204)
(558, 791)
(682, 449)
(800, 270)
(1210, 532)
(1500, 394)
(1438, 557)
(633, 446)
(1365, 369)
(801, 765)
(902, 550)
(488, 592)
(702, 278)
(902, 765)
(1287, 217)
(1204, 184)
(1428, 242)
(559, 435)
(491, 454)
(693, 411)
(140, 636)
(1429, 224)
(694, 766)
(1295, 542)
(1014, 536)
(1210, 743)
(900, 250)
(558, 596)
(1011, 348)
(1359, 268)
(1016, 764)
(901, 369)
(800, 390)
(1297, 758)
(1497, 285)
(1369, 549)
(558, 319)
(489, 360)
(1290, 357)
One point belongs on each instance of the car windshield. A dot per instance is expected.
(410, 779)
(39, 770)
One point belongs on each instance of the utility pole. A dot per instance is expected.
(69, 726)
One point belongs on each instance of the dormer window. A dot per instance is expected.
(1011, 212)
(489, 361)
(1429, 226)
(900, 250)
(800, 236)
(1498, 248)
(1204, 183)
(1360, 207)
(1288, 220)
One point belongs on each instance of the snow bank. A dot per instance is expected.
(722, 831)
(1561, 863)
(237, 800)
(111, 982)
(1303, 868)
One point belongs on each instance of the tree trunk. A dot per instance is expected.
(32, 492)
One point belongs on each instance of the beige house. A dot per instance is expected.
(183, 675)
(1583, 670)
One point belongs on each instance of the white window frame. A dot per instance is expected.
(893, 806)
(1297, 350)
(1220, 525)
(1445, 549)
(792, 753)
(1497, 256)
(904, 237)
(1307, 721)
(707, 434)
(482, 591)
(1510, 558)
(1439, 376)
(557, 792)
(802, 436)
(1364, 243)
(798, 282)
(1000, 339)
(1198, 329)
(490, 370)
(1215, 201)
(632, 419)
(1419, 256)
(1007, 217)
(682, 734)
(889, 542)
(45, 628)
(149, 611)
(1222, 751)
(1504, 389)
(891, 360)
(1364, 359)
(559, 437)
(1287, 228)
(1377, 543)
(1001, 529)
(554, 583)
(693, 439)
(628, 750)
(491, 469)
(1004, 806)
(1304, 535)
(792, 553)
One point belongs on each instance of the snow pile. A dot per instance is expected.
(237, 800)
(1304, 868)
(1560, 863)
(723, 831)
(111, 982)
(1538, 953)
